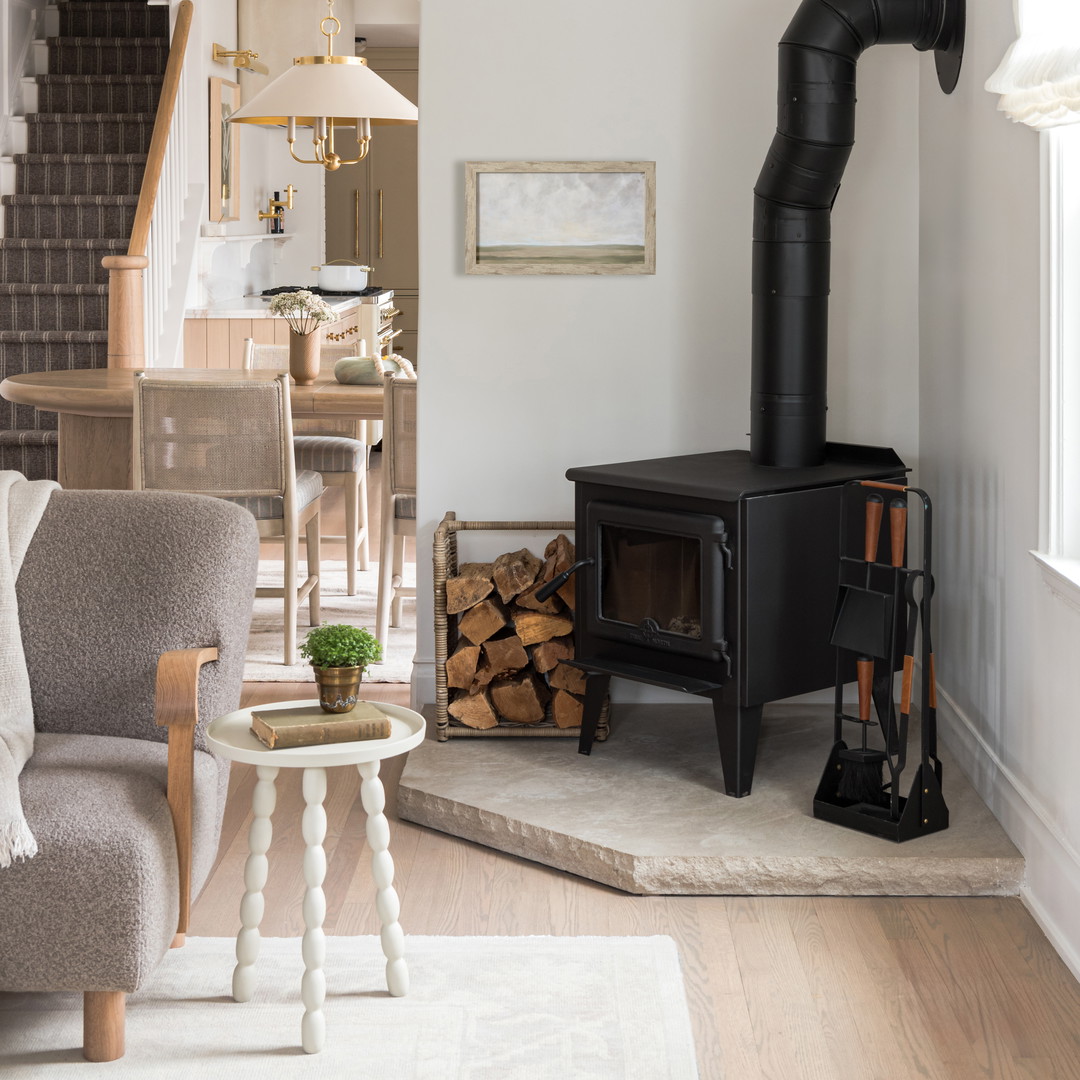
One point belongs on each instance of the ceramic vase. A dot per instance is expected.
(304, 357)
(339, 687)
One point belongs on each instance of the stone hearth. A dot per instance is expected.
(646, 812)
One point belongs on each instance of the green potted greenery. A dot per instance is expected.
(338, 654)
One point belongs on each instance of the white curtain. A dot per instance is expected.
(1039, 78)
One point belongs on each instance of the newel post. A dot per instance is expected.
(126, 341)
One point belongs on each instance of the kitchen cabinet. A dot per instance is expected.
(214, 337)
(371, 208)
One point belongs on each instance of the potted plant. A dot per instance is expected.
(338, 654)
(305, 313)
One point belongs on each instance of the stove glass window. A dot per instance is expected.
(651, 576)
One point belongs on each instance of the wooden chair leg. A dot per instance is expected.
(314, 569)
(290, 558)
(386, 574)
(352, 513)
(365, 524)
(399, 574)
(103, 1024)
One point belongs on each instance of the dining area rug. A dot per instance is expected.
(265, 652)
(478, 1008)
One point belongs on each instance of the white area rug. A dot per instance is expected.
(265, 651)
(479, 1008)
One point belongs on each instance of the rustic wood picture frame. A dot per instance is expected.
(560, 217)
(224, 151)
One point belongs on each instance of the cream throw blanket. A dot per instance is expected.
(22, 502)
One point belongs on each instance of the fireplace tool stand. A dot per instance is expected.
(860, 786)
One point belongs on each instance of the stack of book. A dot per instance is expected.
(310, 725)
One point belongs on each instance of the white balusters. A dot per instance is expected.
(255, 871)
(313, 984)
(373, 797)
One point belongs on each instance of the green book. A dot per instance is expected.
(310, 725)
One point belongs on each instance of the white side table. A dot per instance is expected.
(230, 737)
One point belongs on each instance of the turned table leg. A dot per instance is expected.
(313, 984)
(373, 797)
(255, 871)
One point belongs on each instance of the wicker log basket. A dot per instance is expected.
(445, 563)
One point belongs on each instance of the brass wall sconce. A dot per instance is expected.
(244, 59)
(279, 206)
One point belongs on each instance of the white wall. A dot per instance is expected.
(227, 270)
(1007, 650)
(526, 376)
(21, 21)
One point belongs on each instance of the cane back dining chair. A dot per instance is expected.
(337, 449)
(398, 498)
(233, 439)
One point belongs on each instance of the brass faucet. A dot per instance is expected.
(281, 205)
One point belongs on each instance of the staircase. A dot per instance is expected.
(76, 190)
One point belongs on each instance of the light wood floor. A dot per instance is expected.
(778, 987)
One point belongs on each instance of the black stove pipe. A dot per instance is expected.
(793, 201)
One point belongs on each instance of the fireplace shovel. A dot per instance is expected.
(863, 620)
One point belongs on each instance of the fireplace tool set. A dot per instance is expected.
(883, 607)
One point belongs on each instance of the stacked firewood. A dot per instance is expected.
(506, 667)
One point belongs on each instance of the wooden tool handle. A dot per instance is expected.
(897, 530)
(864, 667)
(875, 505)
(905, 685)
(884, 487)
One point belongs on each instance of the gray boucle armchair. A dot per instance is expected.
(110, 583)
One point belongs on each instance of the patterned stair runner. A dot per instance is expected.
(76, 190)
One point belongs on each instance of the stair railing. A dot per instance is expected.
(131, 313)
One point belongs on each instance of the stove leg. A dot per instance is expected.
(737, 728)
(596, 687)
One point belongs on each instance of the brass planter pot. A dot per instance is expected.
(339, 687)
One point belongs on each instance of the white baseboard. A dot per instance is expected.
(1051, 890)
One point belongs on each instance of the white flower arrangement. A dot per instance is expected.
(303, 310)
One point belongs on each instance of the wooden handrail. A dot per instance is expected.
(127, 347)
(155, 155)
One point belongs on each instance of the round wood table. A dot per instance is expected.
(230, 736)
(94, 412)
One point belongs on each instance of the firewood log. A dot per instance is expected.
(514, 572)
(559, 556)
(566, 709)
(521, 700)
(461, 666)
(466, 590)
(533, 626)
(474, 710)
(548, 653)
(565, 677)
(506, 654)
(551, 606)
(480, 622)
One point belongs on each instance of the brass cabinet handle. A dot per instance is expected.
(342, 335)
(392, 313)
(380, 223)
(384, 338)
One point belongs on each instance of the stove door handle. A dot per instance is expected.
(559, 580)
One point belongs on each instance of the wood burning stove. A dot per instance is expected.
(714, 576)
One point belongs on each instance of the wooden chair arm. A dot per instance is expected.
(176, 706)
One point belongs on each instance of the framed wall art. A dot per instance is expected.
(560, 217)
(224, 151)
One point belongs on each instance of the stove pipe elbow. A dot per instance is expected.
(793, 200)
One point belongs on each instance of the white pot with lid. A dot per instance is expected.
(342, 276)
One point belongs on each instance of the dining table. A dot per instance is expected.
(94, 408)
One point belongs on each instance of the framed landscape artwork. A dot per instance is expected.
(560, 217)
(224, 151)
